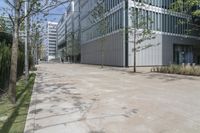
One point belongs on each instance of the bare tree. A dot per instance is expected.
(13, 69)
(76, 48)
(18, 18)
(69, 47)
(140, 29)
(3, 26)
(36, 38)
(99, 17)
(189, 7)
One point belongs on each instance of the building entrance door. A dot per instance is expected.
(198, 60)
(183, 54)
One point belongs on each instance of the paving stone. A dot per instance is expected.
(74, 98)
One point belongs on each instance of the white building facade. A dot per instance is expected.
(50, 40)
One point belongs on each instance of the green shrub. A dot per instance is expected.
(5, 60)
(4, 65)
(178, 69)
(174, 69)
(197, 71)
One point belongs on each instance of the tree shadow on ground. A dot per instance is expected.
(56, 89)
(127, 115)
(96, 131)
(21, 86)
(23, 98)
(80, 106)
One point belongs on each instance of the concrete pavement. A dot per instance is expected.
(73, 98)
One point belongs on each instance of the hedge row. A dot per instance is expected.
(5, 55)
(178, 69)
(5, 60)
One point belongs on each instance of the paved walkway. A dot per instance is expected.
(86, 99)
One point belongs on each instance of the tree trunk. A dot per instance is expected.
(102, 53)
(75, 59)
(26, 43)
(134, 50)
(36, 52)
(14, 57)
(28, 34)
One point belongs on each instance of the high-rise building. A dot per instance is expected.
(50, 40)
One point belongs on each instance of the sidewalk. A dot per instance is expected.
(75, 98)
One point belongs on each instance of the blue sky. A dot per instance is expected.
(58, 10)
(2, 3)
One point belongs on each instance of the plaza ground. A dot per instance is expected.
(74, 98)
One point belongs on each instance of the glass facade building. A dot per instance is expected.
(68, 33)
(175, 40)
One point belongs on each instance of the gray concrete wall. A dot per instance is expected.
(161, 53)
(168, 42)
(113, 51)
(150, 56)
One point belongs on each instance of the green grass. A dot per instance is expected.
(16, 114)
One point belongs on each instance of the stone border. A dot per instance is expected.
(30, 119)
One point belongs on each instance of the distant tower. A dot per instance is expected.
(51, 40)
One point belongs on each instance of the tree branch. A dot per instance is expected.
(10, 4)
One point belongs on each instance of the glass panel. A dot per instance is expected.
(183, 54)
